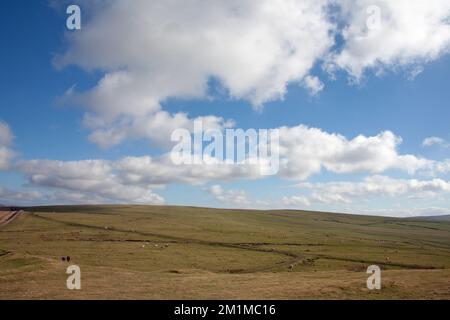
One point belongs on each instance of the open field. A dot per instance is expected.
(156, 252)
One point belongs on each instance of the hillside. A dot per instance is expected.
(435, 218)
(159, 252)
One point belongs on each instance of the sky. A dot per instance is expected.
(357, 89)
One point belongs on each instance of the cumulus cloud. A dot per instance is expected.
(404, 212)
(89, 179)
(6, 155)
(314, 85)
(442, 167)
(374, 186)
(6, 135)
(6, 138)
(230, 197)
(129, 180)
(435, 141)
(384, 34)
(13, 195)
(306, 151)
(151, 51)
(156, 127)
(161, 171)
(296, 201)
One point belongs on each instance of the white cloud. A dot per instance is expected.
(296, 201)
(375, 186)
(6, 138)
(129, 180)
(89, 179)
(156, 127)
(408, 34)
(161, 171)
(73, 198)
(329, 198)
(314, 84)
(435, 141)
(6, 135)
(6, 155)
(151, 51)
(12, 195)
(404, 212)
(305, 151)
(233, 197)
(442, 167)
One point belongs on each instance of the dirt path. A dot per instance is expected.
(8, 216)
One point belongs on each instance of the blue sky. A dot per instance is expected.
(384, 98)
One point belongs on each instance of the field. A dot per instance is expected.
(152, 252)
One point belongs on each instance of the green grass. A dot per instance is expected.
(197, 253)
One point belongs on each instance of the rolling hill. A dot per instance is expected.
(162, 252)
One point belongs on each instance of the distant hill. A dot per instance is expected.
(435, 218)
(8, 208)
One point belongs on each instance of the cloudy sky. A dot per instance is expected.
(358, 89)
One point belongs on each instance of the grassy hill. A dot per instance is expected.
(160, 252)
(436, 218)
